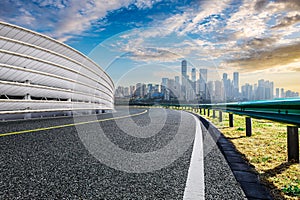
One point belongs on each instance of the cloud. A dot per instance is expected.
(207, 9)
(153, 54)
(249, 34)
(248, 22)
(290, 4)
(268, 59)
(64, 19)
(287, 21)
(260, 4)
(295, 69)
(260, 43)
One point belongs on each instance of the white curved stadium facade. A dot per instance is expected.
(38, 73)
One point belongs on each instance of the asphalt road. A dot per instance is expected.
(143, 156)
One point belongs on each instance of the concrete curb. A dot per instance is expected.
(243, 172)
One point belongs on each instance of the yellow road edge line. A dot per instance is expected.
(68, 125)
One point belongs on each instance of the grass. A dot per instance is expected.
(266, 150)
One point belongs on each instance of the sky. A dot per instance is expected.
(143, 41)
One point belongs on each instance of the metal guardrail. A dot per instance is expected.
(280, 110)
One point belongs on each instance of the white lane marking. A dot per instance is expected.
(195, 187)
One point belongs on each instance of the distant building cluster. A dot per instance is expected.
(192, 89)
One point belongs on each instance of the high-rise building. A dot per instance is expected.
(210, 90)
(132, 90)
(177, 79)
(202, 83)
(164, 82)
(149, 87)
(184, 79)
(138, 90)
(282, 93)
(150, 90)
(183, 71)
(271, 90)
(236, 84)
(226, 86)
(247, 92)
(126, 92)
(193, 81)
(290, 93)
(119, 92)
(260, 93)
(265, 90)
(225, 76)
(277, 93)
(164, 88)
(144, 90)
(218, 90)
(193, 74)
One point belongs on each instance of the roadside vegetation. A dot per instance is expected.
(266, 150)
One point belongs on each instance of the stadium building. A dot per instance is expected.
(40, 76)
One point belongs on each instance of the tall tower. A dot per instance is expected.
(183, 78)
(202, 83)
(225, 76)
(177, 79)
(183, 71)
(225, 86)
(193, 74)
(236, 84)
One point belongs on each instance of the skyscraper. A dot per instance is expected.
(247, 92)
(177, 79)
(132, 90)
(183, 70)
(261, 93)
(193, 81)
(282, 93)
(202, 83)
(236, 84)
(183, 78)
(210, 90)
(225, 86)
(277, 92)
(225, 76)
(177, 87)
(193, 74)
(164, 84)
(149, 88)
(218, 90)
(138, 90)
(271, 90)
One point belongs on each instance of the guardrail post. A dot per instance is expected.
(220, 116)
(204, 111)
(208, 112)
(200, 110)
(248, 126)
(230, 120)
(214, 114)
(293, 144)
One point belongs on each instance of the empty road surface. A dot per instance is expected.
(129, 154)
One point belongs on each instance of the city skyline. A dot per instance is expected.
(217, 74)
(258, 39)
(199, 87)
